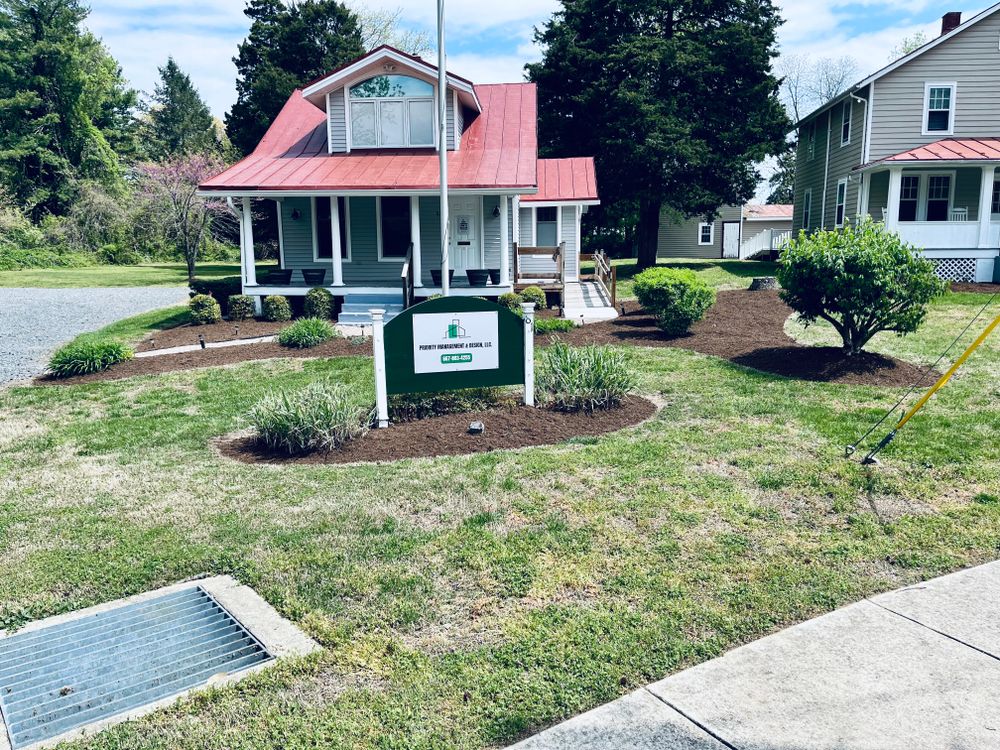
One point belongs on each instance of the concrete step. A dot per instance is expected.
(365, 307)
(361, 319)
(356, 310)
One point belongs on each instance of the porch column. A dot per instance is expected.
(504, 242)
(246, 244)
(415, 239)
(895, 189)
(515, 207)
(336, 257)
(986, 204)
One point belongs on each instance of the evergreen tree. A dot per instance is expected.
(675, 98)
(179, 121)
(64, 106)
(782, 181)
(287, 47)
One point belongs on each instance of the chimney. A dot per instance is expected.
(951, 21)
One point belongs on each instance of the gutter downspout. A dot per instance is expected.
(864, 151)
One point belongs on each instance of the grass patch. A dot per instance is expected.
(718, 274)
(146, 274)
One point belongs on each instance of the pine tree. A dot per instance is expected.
(179, 121)
(675, 98)
(782, 181)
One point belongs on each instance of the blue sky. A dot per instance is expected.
(488, 40)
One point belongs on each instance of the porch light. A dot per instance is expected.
(496, 212)
(296, 214)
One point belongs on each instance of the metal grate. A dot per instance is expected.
(65, 676)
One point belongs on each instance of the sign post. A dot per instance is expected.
(378, 346)
(528, 315)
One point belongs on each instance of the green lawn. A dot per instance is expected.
(722, 274)
(467, 601)
(147, 274)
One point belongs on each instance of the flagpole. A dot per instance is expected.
(443, 148)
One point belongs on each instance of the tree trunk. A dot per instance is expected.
(649, 228)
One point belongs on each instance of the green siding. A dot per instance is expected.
(430, 236)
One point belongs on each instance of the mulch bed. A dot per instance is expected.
(514, 427)
(976, 288)
(748, 328)
(186, 335)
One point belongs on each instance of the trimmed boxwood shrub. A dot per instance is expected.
(320, 417)
(222, 289)
(241, 307)
(318, 304)
(204, 310)
(677, 298)
(306, 333)
(511, 300)
(407, 407)
(86, 356)
(536, 295)
(583, 378)
(276, 308)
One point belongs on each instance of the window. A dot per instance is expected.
(909, 197)
(939, 108)
(841, 201)
(811, 140)
(938, 197)
(996, 198)
(546, 229)
(394, 228)
(706, 233)
(323, 249)
(845, 123)
(392, 111)
(807, 204)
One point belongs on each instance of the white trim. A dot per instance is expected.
(506, 244)
(315, 233)
(838, 206)
(335, 237)
(378, 229)
(378, 102)
(243, 193)
(847, 116)
(768, 218)
(543, 204)
(329, 130)
(711, 233)
(281, 235)
(869, 115)
(336, 259)
(417, 260)
(922, 191)
(347, 119)
(953, 101)
(482, 233)
(454, 118)
(347, 226)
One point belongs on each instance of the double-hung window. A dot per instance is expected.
(546, 231)
(394, 227)
(706, 233)
(324, 228)
(938, 197)
(392, 111)
(939, 108)
(811, 139)
(841, 201)
(807, 203)
(996, 198)
(845, 122)
(909, 197)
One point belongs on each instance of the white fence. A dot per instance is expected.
(765, 242)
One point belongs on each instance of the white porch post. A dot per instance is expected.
(986, 204)
(246, 251)
(415, 238)
(895, 189)
(504, 242)
(336, 257)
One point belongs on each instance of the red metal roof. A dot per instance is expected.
(498, 150)
(948, 149)
(775, 211)
(565, 180)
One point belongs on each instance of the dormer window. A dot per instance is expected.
(392, 111)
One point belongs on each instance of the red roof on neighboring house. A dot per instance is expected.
(774, 211)
(947, 149)
(565, 180)
(498, 150)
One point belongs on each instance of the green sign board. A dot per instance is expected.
(453, 342)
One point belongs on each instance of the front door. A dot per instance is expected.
(731, 239)
(465, 246)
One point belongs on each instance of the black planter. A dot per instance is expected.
(313, 276)
(494, 275)
(436, 276)
(279, 278)
(477, 276)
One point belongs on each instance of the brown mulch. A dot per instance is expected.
(338, 347)
(976, 288)
(514, 427)
(748, 328)
(186, 335)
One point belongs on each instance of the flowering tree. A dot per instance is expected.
(170, 189)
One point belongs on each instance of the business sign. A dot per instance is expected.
(455, 342)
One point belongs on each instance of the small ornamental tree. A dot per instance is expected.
(861, 279)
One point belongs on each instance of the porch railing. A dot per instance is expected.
(406, 278)
(605, 274)
(523, 275)
(765, 242)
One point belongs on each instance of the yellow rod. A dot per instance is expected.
(947, 376)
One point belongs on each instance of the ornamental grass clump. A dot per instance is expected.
(860, 279)
(676, 297)
(87, 356)
(320, 417)
(306, 333)
(583, 378)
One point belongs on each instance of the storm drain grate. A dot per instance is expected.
(64, 676)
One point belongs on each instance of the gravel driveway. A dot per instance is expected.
(34, 322)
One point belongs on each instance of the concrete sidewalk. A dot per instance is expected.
(914, 669)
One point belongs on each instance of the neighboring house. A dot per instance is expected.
(735, 233)
(916, 145)
(351, 163)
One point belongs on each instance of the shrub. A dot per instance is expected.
(222, 289)
(306, 333)
(861, 279)
(318, 304)
(536, 295)
(116, 255)
(276, 308)
(204, 310)
(408, 407)
(677, 298)
(86, 356)
(512, 301)
(320, 417)
(583, 378)
(553, 325)
(241, 307)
